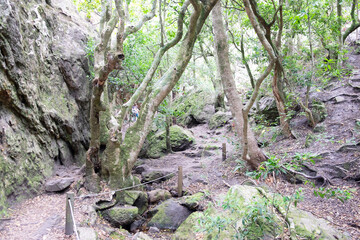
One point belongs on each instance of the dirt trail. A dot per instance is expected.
(43, 217)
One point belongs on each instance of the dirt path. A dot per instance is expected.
(43, 217)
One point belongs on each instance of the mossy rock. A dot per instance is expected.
(307, 226)
(138, 199)
(194, 108)
(187, 229)
(194, 201)
(169, 215)
(120, 215)
(180, 139)
(219, 119)
(303, 224)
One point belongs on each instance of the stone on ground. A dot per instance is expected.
(194, 201)
(138, 199)
(303, 224)
(152, 174)
(141, 236)
(86, 233)
(170, 215)
(57, 185)
(158, 194)
(120, 215)
(219, 119)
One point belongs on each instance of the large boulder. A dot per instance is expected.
(169, 215)
(267, 113)
(180, 138)
(121, 215)
(241, 200)
(57, 185)
(194, 108)
(219, 119)
(44, 92)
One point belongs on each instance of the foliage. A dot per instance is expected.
(342, 195)
(299, 159)
(270, 166)
(88, 6)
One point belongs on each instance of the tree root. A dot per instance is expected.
(325, 180)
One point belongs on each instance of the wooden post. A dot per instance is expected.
(224, 151)
(180, 181)
(69, 222)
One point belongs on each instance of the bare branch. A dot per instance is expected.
(133, 29)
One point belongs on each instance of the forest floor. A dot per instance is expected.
(43, 217)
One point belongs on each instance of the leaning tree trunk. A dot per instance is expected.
(255, 155)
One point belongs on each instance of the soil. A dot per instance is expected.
(43, 217)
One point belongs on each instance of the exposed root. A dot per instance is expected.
(325, 180)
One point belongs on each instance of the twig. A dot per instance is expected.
(228, 185)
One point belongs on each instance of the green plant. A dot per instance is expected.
(240, 165)
(342, 195)
(270, 166)
(299, 159)
(257, 220)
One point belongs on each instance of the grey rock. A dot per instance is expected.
(153, 174)
(170, 215)
(141, 236)
(142, 168)
(180, 139)
(196, 108)
(267, 108)
(137, 224)
(44, 109)
(86, 233)
(219, 119)
(158, 195)
(153, 230)
(138, 199)
(57, 185)
(340, 99)
(120, 215)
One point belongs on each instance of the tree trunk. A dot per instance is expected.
(284, 123)
(216, 81)
(255, 156)
(168, 125)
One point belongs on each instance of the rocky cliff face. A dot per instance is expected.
(44, 92)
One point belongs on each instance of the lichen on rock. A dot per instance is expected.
(180, 139)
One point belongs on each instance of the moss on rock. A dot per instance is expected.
(121, 215)
(180, 139)
(134, 198)
(219, 119)
(194, 107)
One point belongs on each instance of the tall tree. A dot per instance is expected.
(253, 154)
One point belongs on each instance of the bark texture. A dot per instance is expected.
(254, 154)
